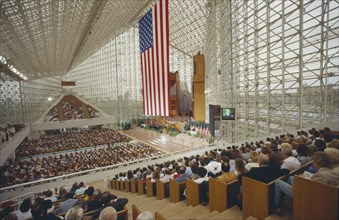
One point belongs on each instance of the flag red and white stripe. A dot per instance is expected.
(154, 58)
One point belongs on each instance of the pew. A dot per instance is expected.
(176, 191)
(113, 184)
(158, 216)
(134, 188)
(257, 194)
(257, 198)
(314, 200)
(222, 196)
(162, 189)
(117, 185)
(150, 188)
(123, 214)
(128, 186)
(192, 193)
(122, 185)
(141, 187)
(135, 212)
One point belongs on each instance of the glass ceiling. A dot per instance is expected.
(47, 37)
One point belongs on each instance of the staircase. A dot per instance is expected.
(179, 210)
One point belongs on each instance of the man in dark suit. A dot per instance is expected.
(265, 173)
(107, 199)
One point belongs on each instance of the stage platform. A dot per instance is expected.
(165, 142)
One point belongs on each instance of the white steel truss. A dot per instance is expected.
(285, 57)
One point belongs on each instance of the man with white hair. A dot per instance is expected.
(108, 213)
(146, 215)
(75, 213)
(289, 162)
(266, 172)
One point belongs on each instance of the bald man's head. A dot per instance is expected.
(108, 213)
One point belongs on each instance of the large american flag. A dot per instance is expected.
(154, 57)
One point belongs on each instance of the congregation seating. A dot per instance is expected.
(71, 108)
(314, 200)
(258, 194)
(222, 196)
(21, 171)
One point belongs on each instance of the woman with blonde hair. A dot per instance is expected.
(254, 160)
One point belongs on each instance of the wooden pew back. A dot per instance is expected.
(128, 186)
(192, 192)
(162, 189)
(258, 197)
(113, 184)
(222, 196)
(134, 188)
(117, 185)
(158, 216)
(314, 200)
(150, 188)
(141, 187)
(123, 214)
(135, 211)
(122, 185)
(176, 191)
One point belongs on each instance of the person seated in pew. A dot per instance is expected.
(203, 185)
(240, 167)
(48, 214)
(214, 169)
(167, 176)
(75, 213)
(80, 190)
(145, 215)
(226, 175)
(253, 160)
(109, 200)
(24, 211)
(95, 202)
(194, 168)
(289, 162)
(49, 196)
(265, 172)
(325, 174)
(67, 204)
(332, 150)
(108, 213)
(88, 193)
(182, 175)
(303, 151)
(155, 175)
